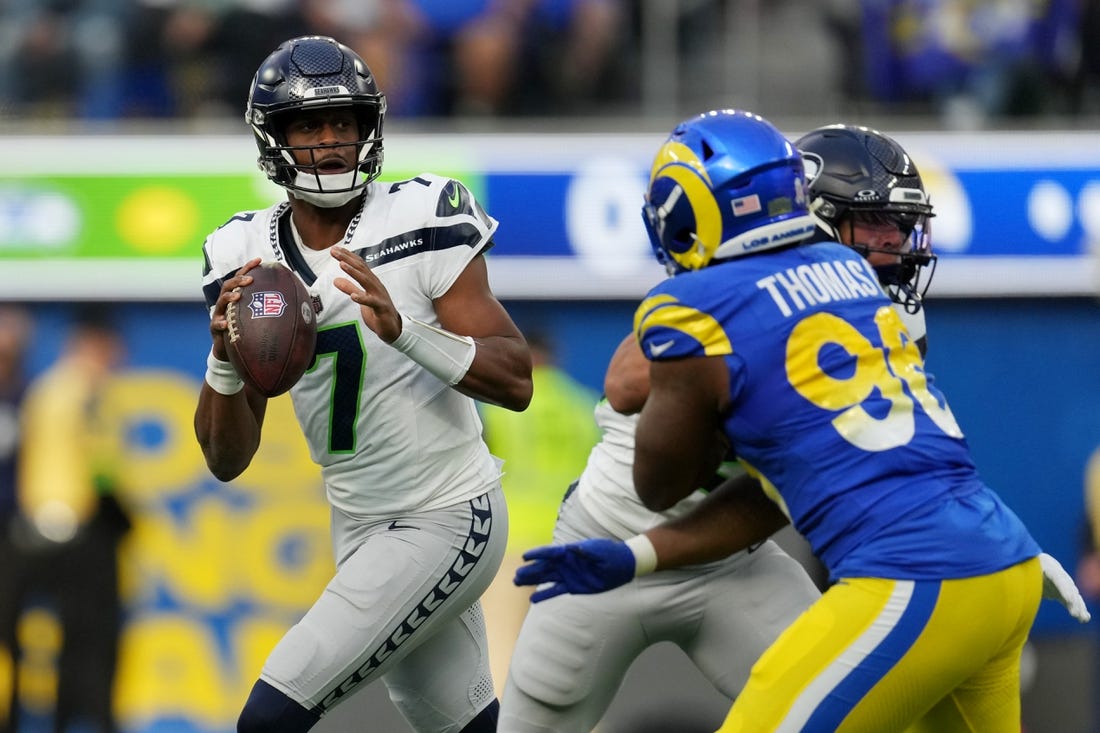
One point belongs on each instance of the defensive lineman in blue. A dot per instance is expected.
(816, 317)
(792, 354)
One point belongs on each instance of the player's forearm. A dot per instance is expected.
(500, 373)
(228, 430)
(733, 517)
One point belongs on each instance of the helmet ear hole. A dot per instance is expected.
(681, 240)
(675, 217)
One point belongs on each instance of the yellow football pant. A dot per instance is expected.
(876, 655)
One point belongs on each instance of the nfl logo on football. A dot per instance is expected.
(268, 304)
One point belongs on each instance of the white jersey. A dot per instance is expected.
(606, 486)
(389, 436)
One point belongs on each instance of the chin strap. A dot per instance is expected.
(310, 188)
(325, 199)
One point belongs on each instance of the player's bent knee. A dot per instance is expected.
(556, 665)
(486, 720)
(270, 711)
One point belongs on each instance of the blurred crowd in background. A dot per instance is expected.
(966, 62)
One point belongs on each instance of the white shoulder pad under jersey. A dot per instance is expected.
(914, 322)
(390, 437)
(606, 487)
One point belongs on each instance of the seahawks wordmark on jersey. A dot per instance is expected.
(389, 436)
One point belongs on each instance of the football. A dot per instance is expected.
(272, 330)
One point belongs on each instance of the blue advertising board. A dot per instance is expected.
(1015, 215)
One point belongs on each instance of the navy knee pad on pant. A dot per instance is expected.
(486, 720)
(271, 711)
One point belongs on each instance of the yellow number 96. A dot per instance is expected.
(893, 370)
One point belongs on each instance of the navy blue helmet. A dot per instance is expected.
(855, 170)
(313, 72)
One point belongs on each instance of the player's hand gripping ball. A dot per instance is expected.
(272, 330)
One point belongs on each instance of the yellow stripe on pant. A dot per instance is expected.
(876, 655)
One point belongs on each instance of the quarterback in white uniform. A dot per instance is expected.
(408, 333)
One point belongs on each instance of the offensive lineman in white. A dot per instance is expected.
(574, 650)
(408, 333)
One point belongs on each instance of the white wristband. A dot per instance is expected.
(645, 555)
(446, 355)
(222, 377)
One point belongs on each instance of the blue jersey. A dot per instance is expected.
(831, 409)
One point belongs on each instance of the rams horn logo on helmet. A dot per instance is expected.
(724, 184)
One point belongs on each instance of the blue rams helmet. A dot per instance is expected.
(724, 184)
(313, 72)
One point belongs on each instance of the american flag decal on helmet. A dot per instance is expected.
(746, 205)
(267, 304)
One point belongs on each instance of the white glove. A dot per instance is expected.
(1059, 586)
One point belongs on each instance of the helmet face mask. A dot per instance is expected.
(724, 184)
(306, 74)
(904, 266)
(857, 174)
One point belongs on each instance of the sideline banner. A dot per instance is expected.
(125, 218)
(213, 573)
